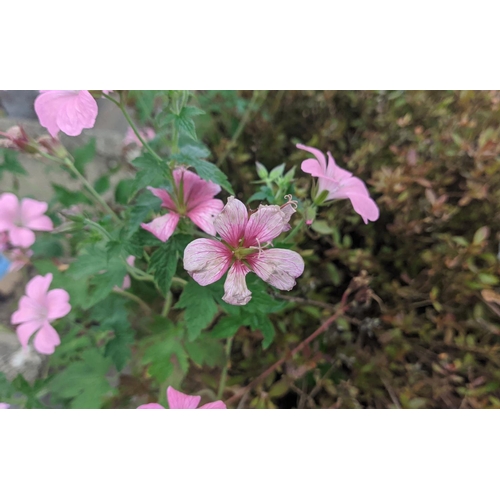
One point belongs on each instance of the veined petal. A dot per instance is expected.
(46, 339)
(216, 405)
(195, 189)
(151, 406)
(236, 291)
(278, 267)
(57, 303)
(231, 222)
(37, 287)
(267, 223)
(320, 157)
(178, 400)
(206, 260)
(9, 208)
(204, 215)
(163, 227)
(164, 195)
(77, 113)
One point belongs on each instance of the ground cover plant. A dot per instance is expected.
(360, 272)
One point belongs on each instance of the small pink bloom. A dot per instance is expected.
(19, 220)
(67, 110)
(4, 406)
(179, 401)
(147, 134)
(16, 138)
(37, 309)
(242, 251)
(193, 198)
(339, 183)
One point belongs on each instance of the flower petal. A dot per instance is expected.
(231, 222)
(9, 209)
(47, 106)
(21, 237)
(216, 405)
(195, 189)
(204, 214)
(267, 223)
(42, 223)
(163, 227)
(178, 400)
(206, 260)
(28, 310)
(320, 157)
(151, 406)
(32, 209)
(365, 207)
(277, 266)
(26, 330)
(334, 171)
(37, 287)
(164, 195)
(236, 291)
(46, 339)
(57, 304)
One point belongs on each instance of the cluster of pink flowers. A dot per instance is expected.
(37, 310)
(244, 248)
(192, 197)
(179, 401)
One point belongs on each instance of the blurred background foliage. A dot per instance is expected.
(428, 337)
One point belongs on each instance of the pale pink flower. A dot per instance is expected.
(179, 401)
(126, 281)
(20, 219)
(4, 406)
(67, 110)
(16, 138)
(339, 183)
(193, 197)
(37, 309)
(242, 251)
(147, 134)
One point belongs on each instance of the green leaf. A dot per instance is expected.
(124, 191)
(91, 261)
(200, 308)
(47, 246)
(145, 204)
(11, 164)
(104, 283)
(226, 327)
(205, 352)
(151, 172)
(163, 265)
(68, 198)
(102, 184)
(118, 348)
(84, 382)
(83, 155)
(264, 324)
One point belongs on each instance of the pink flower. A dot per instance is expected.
(193, 197)
(179, 401)
(147, 134)
(20, 219)
(126, 281)
(241, 251)
(37, 309)
(4, 406)
(68, 110)
(17, 138)
(339, 183)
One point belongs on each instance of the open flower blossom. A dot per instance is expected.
(193, 197)
(147, 134)
(4, 406)
(37, 309)
(245, 248)
(179, 401)
(339, 183)
(20, 219)
(67, 110)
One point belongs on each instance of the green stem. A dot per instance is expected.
(223, 377)
(133, 297)
(90, 188)
(103, 231)
(294, 231)
(241, 126)
(167, 305)
(123, 109)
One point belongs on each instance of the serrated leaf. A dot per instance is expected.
(163, 264)
(11, 164)
(205, 352)
(264, 324)
(83, 382)
(151, 172)
(226, 327)
(200, 308)
(144, 205)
